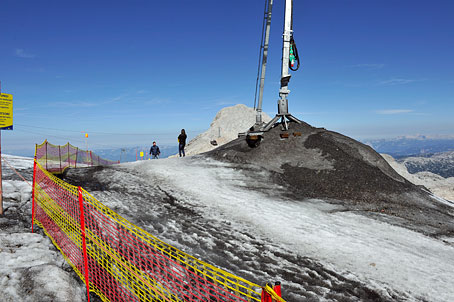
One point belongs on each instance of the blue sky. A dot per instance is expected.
(130, 72)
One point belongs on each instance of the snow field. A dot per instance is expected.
(31, 269)
(392, 260)
(387, 257)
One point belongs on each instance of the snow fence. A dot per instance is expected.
(56, 159)
(121, 262)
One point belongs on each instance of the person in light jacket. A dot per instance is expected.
(154, 151)
(182, 142)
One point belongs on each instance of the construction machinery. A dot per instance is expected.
(290, 61)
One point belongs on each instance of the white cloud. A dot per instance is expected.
(133, 96)
(225, 103)
(22, 54)
(222, 101)
(73, 104)
(369, 66)
(155, 101)
(114, 99)
(396, 81)
(394, 111)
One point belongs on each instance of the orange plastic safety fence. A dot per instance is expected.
(125, 263)
(56, 158)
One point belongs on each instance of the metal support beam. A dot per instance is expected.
(258, 120)
(282, 104)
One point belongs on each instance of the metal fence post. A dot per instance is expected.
(46, 154)
(1, 173)
(277, 288)
(33, 192)
(266, 297)
(77, 153)
(59, 156)
(84, 244)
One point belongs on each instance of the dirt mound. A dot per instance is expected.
(317, 163)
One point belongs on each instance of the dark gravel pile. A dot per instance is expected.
(317, 163)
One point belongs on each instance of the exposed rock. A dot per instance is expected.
(440, 186)
(440, 163)
(225, 127)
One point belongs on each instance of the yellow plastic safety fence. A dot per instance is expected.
(56, 159)
(120, 261)
(272, 294)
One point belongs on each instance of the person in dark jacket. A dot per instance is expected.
(182, 142)
(154, 150)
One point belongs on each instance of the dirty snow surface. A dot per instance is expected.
(237, 219)
(31, 268)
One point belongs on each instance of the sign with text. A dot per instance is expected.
(6, 111)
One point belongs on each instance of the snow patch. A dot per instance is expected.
(382, 255)
(31, 269)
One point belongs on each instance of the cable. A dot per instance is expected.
(81, 141)
(93, 144)
(47, 135)
(105, 133)
(293, 49)
(66, 138)
(16, 124)
(293, 56)
(259, 68)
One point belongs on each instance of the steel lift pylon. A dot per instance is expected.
(288, 58)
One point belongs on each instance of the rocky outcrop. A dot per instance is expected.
(224, 128)
(440, 186)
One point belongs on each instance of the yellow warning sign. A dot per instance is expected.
(141, 153)
(6, 111)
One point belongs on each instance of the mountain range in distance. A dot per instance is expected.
(439, 163)
(129, 154)
(418, 153)
(400, 147)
